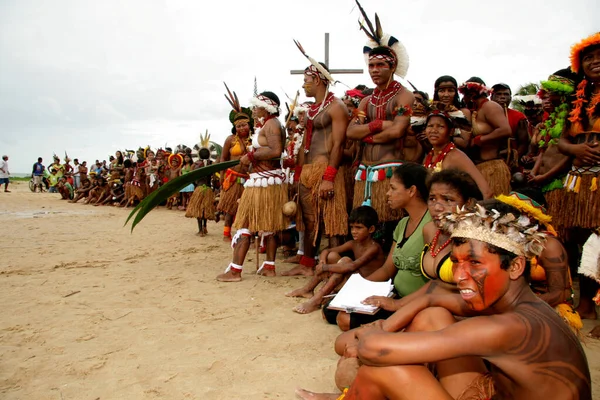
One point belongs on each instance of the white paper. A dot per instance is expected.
(358, 289)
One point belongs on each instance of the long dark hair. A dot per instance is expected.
(413, 174)
(456, 102)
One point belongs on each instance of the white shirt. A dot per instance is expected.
(4, 166)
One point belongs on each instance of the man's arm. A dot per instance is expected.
(357, 129)
(339, 124)
(494, 115)
(555, 262)
(397, 128)
(523, 138)
(477, 336)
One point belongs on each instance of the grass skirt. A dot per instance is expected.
(229, 199)
(554, 200)
(261, 209)
(482, 388)
(579, 208)
(202, 203)
(379, 202)
(497, 175)
(332, 212)
(135, 191)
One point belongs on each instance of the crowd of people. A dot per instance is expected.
(476, 212)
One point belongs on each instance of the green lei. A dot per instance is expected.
(554, 125)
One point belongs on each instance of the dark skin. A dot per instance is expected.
(271, 139)
(557, 287)
(506, 326)
(326, 147)
(521, 133)
(335, 270)
(387, 144)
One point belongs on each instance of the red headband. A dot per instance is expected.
(388, 59)
(313, 71)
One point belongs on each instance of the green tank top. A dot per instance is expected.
(407, 257)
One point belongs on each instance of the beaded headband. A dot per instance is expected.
(266, 103)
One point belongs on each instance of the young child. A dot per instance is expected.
(335, 269)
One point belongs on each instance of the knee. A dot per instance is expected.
(333, 257)
(431, 319)
(343, 341)
(343, 321)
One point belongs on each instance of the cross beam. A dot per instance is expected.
(333, 71)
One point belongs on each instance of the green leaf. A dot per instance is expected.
(172, 187)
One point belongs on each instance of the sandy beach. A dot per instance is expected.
(92, 311)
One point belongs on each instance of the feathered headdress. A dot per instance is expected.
(560, 83)
(315, 68)
(578, 48)
(67, 159)
(518, 235)
(238, 112)
(450, 113)
(379, 39)
(523, 100)
(474, 87)
(173, 157)
(206, 143)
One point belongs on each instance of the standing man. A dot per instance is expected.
(265, 191)
(318, 171)
(519, 125)
(4, 173)
(37, 173)
(380, 127)
(490, 129)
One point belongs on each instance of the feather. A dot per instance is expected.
(232, 99)
(366, 31)
(413, 86)
(369, 24)
(172, 187)
(379, 30)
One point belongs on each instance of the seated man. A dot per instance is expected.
(530, 352)
(335, 269)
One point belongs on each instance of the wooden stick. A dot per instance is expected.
(257, 245)
(292, 108)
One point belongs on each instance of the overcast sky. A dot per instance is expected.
(92, 77)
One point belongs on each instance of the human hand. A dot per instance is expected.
(326, 190)
(244, 160)
(386, 303)
(588, 153)
(319, 268)
(537, 179)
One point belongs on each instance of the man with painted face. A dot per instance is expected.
(531, 353)
(519, 126)
(318, 172)
(381, 127)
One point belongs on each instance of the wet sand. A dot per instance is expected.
(92, 311)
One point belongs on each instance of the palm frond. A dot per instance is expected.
(172, 187)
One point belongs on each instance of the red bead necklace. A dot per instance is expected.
(434, 253)
(431, 163)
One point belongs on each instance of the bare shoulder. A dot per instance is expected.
(272, 127)
(405, 98)
(466, 112)
(338, 108)
(429, 231)
(492, 106)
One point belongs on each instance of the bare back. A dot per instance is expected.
(545, 361)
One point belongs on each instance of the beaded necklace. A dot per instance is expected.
(436, 163)
(313, 111)
(434, 253)
(380, 98)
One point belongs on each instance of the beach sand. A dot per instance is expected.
(93, 311)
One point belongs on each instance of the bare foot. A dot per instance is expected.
(267, 272)
(299, 270)
(595, 333)
(230, 276)
(307, 294)
(308, 307)
(293, 259)
(306, 395)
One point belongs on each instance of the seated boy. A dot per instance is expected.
(530, 352)
(335, 269)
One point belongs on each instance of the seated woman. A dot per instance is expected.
(438, 128)
(448, 189)
(409, 192)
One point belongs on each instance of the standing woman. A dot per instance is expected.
(438, 128)
(446, 92)
(186, 192)
(202, 203)
(236, 145)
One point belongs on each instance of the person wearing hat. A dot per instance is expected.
(381, 126)
(519, 125)
(4, 173)
(490, 129)
(581, 141)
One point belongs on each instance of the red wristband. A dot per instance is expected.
(368, 139)
(297, 173)
(477, 140)
(330, 173)
(375, 126)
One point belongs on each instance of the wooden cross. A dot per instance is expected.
(332, 71)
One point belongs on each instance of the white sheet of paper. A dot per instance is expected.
(356, 290)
